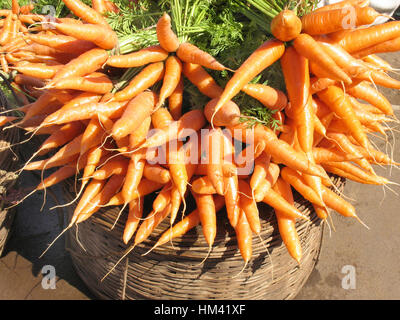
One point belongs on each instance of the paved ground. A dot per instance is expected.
(355, 263)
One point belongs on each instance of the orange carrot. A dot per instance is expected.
(156, 173)
(188, 222)
(207, 214)
(286, 25)
(265, 55)
(312, 50)
(343, 4)
(202, 80)
(244, 237)
(166, 37)
(100, 35)
(214, 147)
(190, 53)
(145, 79)
(363, 38)
(335, 98)
(138, 58)
(133, 220)
(286, 225)
(323, 22)
(296, 72)
(110, 188)
(172, 76)
(249, 206)
(86, 63)
(175, 100)
(138, 109)
(140, 134)
(227, 115)
(99, 85)
(271, 98)
(85, 12)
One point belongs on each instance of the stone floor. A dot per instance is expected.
(355, 263)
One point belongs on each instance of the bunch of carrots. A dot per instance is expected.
(115, 138)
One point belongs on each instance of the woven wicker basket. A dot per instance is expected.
(8, 163)
(174, 273)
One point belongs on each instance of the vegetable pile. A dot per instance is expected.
(116, 114)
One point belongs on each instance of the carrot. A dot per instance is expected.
(176, 163)
(202, 80)
(62, 42)
(335, 98)
(99, 85)
(296, 73)
(312, 50)
(286, 26)
(260, 170)
(276, 201)
(133, 220)
(244, 237)
(323, 22)
(286, 225)
(265, 55)
(231, 196)
(140, 134)
(145, 79)
(363, 38)
(29, 80)
(109, 189)
(85, 12)
(144, 188)
(172, 76)
(149, 224)
(214, 166)
(280, 150)
(207, 214)
(323, 155)
(133, 177)
(137, 110)
(6, 119)
(27, 8)
(92, 189)
(344, 144)
(369, 94)
(6, 30)
(343, 4)
(99, 6)
(297, 181)
(86, 63)
(94, 157)
(338, 204)
(191, 54)
(40, 71)
(190, 122)
(81, 99)
(349, 170)
(188, 222)
(89, 110)
(374, 60)
(227, 115)
(271, 98)
(156, 173)
(175, 100)
(66, 133)
(163, 198)
(4, 64)
(249, 206)
(138, 58)
(165, 36)
(102, 36)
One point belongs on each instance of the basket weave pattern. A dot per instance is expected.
(177, 272)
